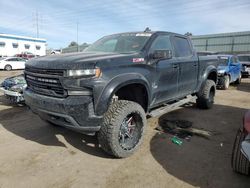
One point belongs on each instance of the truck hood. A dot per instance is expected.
(75, 61)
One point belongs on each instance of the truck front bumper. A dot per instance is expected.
(73, 112)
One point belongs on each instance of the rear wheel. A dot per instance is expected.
(205, 97)
(8, 67)
(225, 81)
(123, 127)
(239, 162)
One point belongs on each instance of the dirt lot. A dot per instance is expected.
(36, 154)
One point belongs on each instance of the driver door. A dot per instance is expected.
(165, 86)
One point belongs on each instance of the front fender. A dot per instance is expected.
(103, 100)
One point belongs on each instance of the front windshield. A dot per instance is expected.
(223, 61)
(120, 43)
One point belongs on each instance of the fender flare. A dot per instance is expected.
(103, 100)
(207, 72)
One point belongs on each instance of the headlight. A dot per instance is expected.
(221, 71)
(85, 72)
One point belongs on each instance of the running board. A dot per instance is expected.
(171, 107)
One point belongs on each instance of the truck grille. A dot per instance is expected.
(45, 82)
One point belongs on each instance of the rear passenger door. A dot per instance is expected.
(188, 65)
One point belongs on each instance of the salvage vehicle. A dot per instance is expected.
(26, 55)
(10, 63)
(110, 87)
(229, 71)
(245, 61)
(13, 87)
(241, 149)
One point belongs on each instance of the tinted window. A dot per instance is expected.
(244, 58)
(182, 47)
(12, 59)
(161, 43)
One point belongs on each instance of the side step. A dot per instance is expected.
(171, 107)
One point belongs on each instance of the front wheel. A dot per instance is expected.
(225, 82)
(205, 97)
(8, 67)
(123, 128)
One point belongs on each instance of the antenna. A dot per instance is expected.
(37, 26)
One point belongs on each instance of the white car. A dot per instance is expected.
(9, 63)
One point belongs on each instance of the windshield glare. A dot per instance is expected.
(121, 43)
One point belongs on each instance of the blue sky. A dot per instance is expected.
(57, 20)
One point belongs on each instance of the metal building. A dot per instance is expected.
(13, 44)
(233, 43)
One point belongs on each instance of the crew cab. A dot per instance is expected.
(229, 71)
(110, 87)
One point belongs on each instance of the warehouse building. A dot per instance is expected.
(233, 43)
(13, 44)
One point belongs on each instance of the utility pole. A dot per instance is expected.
(77, 36)
(37, 26)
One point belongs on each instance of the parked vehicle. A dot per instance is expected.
(245, 61)
(56, 52)
(241, 149)
(26, 55)
(110, 87)
(229, 71)
(10, 63)
(13, 87)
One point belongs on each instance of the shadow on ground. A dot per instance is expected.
(204, 163)
(244, 86)
(22, 122)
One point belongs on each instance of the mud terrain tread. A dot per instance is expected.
(105, 135)
(239, 162)
(203, 95)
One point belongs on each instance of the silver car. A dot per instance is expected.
(245, 61)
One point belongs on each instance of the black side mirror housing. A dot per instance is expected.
(162, 54)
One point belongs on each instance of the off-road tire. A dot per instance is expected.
(108, 136)
(205, 97)
(238, 81)
(225, 82)
(8, 67)
(239, 162)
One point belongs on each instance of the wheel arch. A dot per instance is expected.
(119, 83)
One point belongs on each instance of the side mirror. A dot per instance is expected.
(162, 54)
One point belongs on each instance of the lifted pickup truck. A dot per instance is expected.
(110, 87)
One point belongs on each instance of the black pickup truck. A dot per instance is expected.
(110, 87)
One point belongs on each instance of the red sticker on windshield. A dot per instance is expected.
(138, 60)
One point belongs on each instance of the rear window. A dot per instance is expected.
(182, 47)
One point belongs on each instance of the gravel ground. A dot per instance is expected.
(37, 154)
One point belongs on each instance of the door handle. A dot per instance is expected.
(195, 65)
(175, 66)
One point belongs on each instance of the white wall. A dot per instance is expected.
(9, 50)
